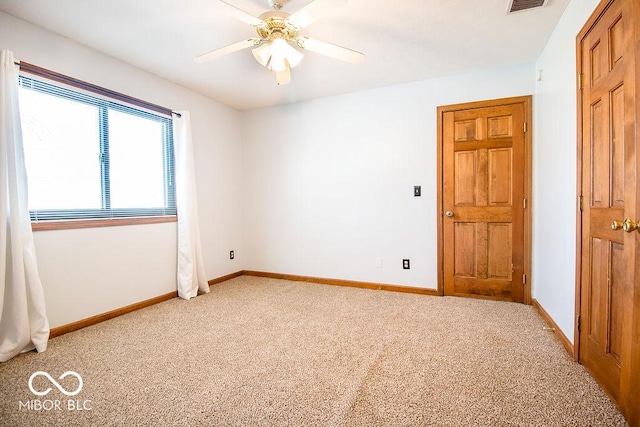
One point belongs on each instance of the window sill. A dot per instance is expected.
(94, 223)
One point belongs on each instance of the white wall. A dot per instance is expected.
(91, 271)
(321, 188)
(328, 184)
(554, 169)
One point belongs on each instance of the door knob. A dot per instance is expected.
(629, 226)
(449, 214)
(617, 225)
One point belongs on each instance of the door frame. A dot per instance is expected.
(526, 101)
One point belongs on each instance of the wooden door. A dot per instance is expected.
(483, 199)
(607, 103)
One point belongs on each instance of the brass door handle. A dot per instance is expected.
(449, 214)
(617, 225)
(630, 226)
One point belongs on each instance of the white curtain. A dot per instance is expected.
(191, 275)
(23, 320)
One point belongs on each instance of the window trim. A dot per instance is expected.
(96, 223)
(80, 84)
(118, 218)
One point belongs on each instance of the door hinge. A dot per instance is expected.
(578, 322)
(580, 203)
(525, 203)
(581, 81)
(525, 127)
(524, 279)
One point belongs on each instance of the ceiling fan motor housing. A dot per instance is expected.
(276, 26)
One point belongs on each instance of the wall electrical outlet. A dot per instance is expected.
(232, 255)
(417, 191)
(406, 264)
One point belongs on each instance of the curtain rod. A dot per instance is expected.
(43, 72)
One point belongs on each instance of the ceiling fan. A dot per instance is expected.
(278, 33)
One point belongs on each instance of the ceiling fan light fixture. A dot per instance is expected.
(262, 54)
(277, 55)
(278, 63)
(281, 49)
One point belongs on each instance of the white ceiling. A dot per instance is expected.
(403, 40)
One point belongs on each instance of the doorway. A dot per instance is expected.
(484, 187)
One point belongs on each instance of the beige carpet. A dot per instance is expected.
(265, 352)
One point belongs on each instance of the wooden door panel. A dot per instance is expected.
(596, 63)
(464, 248)
(500, 177)
(465, 130)
(500, 127)
(499, 251)
(608, 185)
(607, 289)
(484, 167)
(466, 176)
(617, 147)
(602, 358)
(597, 294)
(616, 42)
(600, 156)
(620, 290)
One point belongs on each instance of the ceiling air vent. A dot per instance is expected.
(520, 5)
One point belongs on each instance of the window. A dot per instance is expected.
(89, 157)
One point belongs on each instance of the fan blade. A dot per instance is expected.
(284, 77)
(314, 11)
(330, 49)
(242, 15)
(226, 50)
